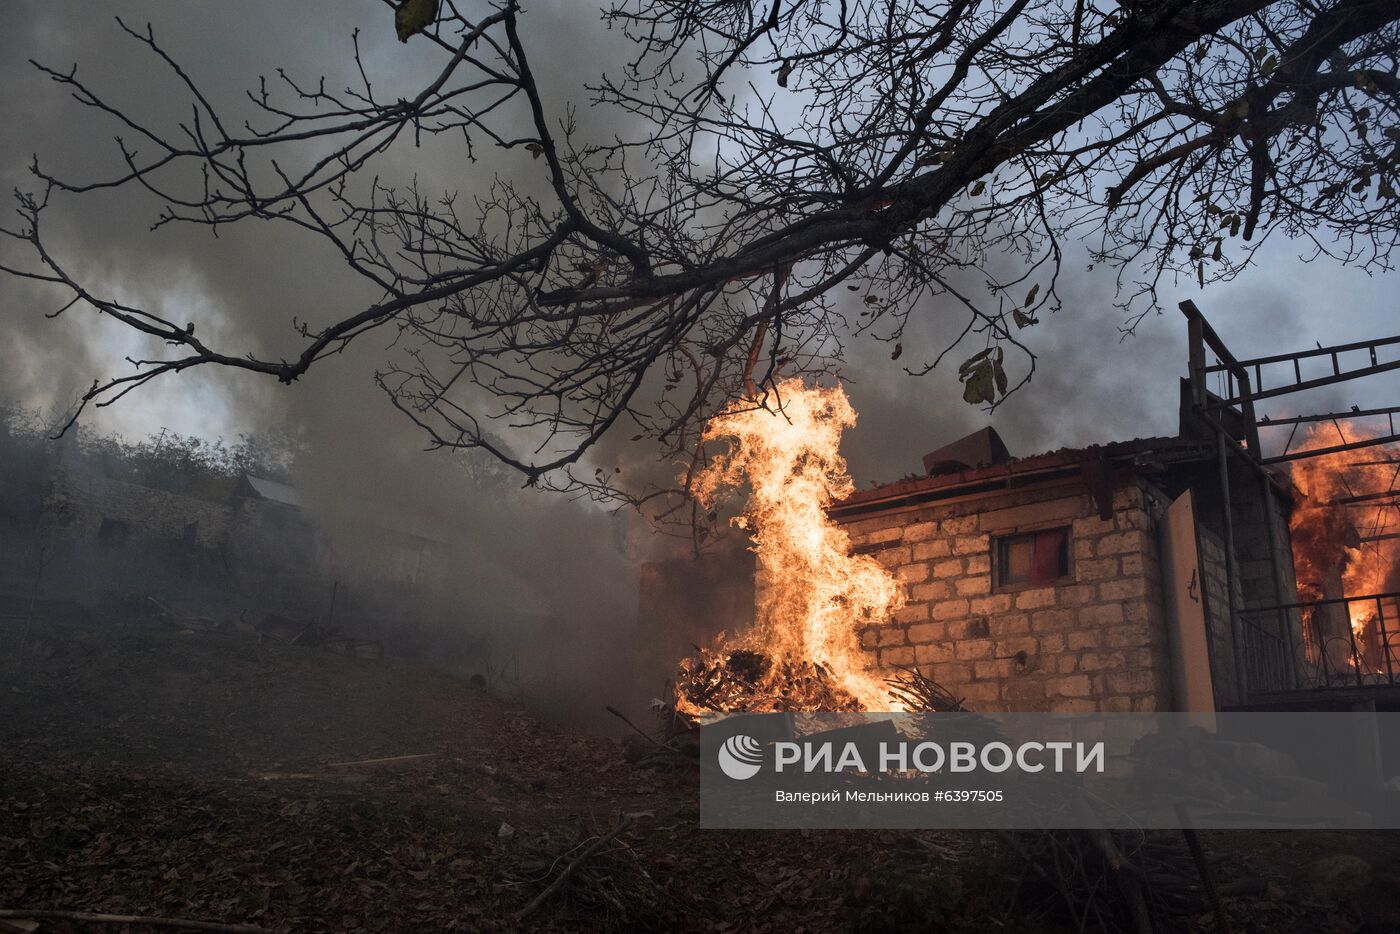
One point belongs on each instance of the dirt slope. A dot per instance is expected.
(202, 775)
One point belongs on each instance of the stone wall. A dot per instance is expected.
(1094, 642)
(1256, 568)
(1217, 609)
(75, 506)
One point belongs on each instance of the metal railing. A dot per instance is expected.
(1346, 642)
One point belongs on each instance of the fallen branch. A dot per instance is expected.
(43, 914)
(645, 735)
(389, 760)
(1126, 877)
(1198, 856)
(577, 861)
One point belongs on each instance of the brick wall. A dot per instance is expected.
(1094, 642)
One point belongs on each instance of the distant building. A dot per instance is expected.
(256, 551)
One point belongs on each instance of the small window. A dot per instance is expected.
(1036, 559)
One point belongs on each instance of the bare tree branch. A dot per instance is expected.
(815, 144)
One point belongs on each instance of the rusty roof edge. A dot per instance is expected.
(1051, 461)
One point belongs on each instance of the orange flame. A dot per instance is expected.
(1328, 534)
(813, 593)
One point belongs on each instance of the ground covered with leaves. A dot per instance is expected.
(207, 776)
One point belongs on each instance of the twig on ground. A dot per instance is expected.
(577, 861)
(1198, 856)
(387, 760)
(45, 914)
(645, 735)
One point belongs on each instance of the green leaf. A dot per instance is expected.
(978, 188)
(414, 16)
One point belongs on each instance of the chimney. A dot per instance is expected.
(979, 449)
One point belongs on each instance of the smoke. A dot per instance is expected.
(545, 577)
(1095, 384)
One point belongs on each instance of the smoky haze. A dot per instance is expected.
(1095, 384)
(550, 574)
(519, 553)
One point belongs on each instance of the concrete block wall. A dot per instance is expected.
(1095, 642)
(1222, 646)
(1258, 586)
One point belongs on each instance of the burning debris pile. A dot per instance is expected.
(804, 651)
(751, 682)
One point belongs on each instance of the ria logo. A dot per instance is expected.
(740, 757)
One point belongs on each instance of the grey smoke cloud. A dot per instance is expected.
(1094, 384)
(516, 552)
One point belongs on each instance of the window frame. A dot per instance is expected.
(1002, 535)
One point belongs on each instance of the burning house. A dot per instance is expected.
(1179, 573)
(1042, 583)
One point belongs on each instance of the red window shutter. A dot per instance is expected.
(1045, 563)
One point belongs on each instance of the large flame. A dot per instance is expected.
(1329, 535)
(813, 593)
